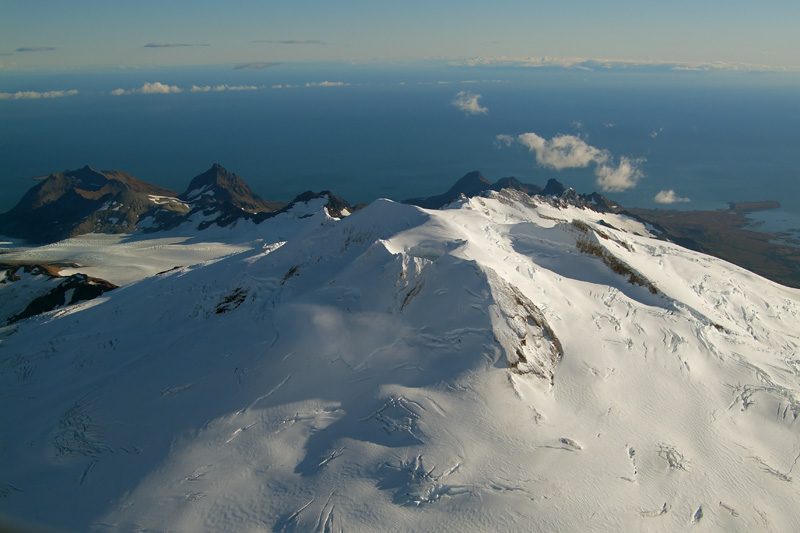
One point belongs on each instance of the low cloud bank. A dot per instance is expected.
(570, 151)
(583, 63)
(218, 88)
(327, 84)
(149, 88)
(256, 65)
(468, 103)
(33, 95)
(35, 49)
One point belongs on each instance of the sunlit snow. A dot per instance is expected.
(503, 364)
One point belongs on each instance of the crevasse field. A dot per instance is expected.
(505, 364)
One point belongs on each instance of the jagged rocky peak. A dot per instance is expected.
(89, 177)
(216, 175)
(514, 183)
(219, 185)
(472, 183)
(553, 188)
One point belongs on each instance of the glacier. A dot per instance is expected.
(506, 363)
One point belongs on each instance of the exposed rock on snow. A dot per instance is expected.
(30, 290)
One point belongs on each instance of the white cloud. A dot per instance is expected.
(563, 151)
(240, 88)
(654, 133)
(150, 88)
(218, 88)
(584, 63)
(158, 88)
(620, 178)
(33, 95)
(312, 84)
(468, 103)
(569, 151)
(326, 84)
(504, 140)
(669, 197)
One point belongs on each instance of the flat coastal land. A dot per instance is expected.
(724, 233)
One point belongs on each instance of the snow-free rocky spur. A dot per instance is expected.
(509, 362)
(77, 202)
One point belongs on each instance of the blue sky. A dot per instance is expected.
(88, 34)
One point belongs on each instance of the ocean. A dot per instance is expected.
(366, 131)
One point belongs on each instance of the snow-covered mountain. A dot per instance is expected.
(507, 363)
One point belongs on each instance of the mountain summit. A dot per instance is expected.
(80, 201)
(85, 200)
(507, 363)
(215, 197)
(218, 186)
(471, 184)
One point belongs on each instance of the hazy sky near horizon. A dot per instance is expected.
(87, 34)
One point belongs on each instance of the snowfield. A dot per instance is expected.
(503, 364)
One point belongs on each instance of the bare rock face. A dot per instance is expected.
(529, 343)
(472, 184)
(76, 202)
(219, 186)
(80, 201)
(45, 289)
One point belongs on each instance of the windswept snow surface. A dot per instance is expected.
(487, 367)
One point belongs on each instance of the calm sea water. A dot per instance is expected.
(392, 132)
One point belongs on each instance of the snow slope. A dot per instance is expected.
(129, 257)
(500, 365)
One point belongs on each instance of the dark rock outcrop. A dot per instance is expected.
(336, 206)
(553, 188)
(68, 291)
(215, 197)
(472, 184)
(218, 186)
(80, 201)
